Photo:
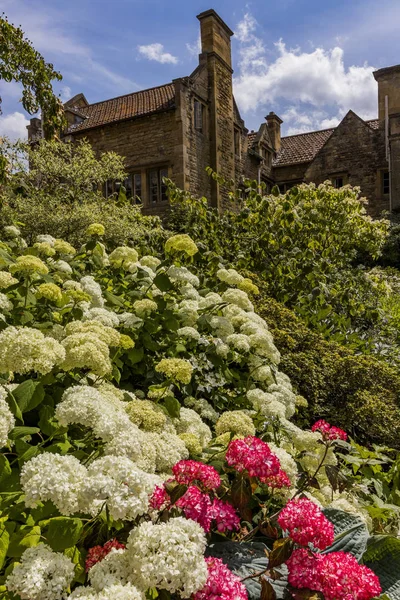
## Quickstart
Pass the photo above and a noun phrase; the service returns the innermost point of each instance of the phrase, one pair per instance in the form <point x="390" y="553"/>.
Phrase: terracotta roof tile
<point x="303" y="147"/>
<point x="129" y="106"/>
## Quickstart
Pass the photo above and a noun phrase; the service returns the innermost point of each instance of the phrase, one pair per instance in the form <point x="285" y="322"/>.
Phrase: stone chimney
<point x="274" y="130"/>
<point x="388" y="85"/>
<point x="216" y="56"/>
<point x="35" y="131"/>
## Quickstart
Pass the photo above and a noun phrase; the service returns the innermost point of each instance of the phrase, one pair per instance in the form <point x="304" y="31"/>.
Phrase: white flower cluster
<point x="114" y="592"/>
<point x="102" y="315"/>
<point x="41" y="575"/>
<point x="23" y="349"/>
<point x="53" y="477"/>
<point x="182" y="275"/>
<point x="7" y="420"/>
<point x="5" y="304"/>
<point x="229" y="276"/>
<point x="91" y="287"/>
<point x="168" y="556"/>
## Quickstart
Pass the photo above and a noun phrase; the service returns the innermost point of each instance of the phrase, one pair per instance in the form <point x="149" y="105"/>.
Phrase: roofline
<point x="386" y="71"/>
<point x="284" y="137"/>
<point x="131" y="94"/>
<point x="132" y="118"/>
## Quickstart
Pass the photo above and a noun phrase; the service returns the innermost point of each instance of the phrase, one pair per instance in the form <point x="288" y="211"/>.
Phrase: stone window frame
<point x="161" y="196"/>
<point x="199" y="102"/>
<point x="343" y="177"/>
<point x="384" y="185"/>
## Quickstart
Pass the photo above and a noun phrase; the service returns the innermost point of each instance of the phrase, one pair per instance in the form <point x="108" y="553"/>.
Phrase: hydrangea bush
<point x="145" y="428"/>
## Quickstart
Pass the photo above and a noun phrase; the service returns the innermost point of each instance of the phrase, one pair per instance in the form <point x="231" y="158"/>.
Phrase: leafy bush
<point x="116" y="369"/>
<point x="304" y="244"/>
<point x="357" y="392"/>
<point x="61" y="194"/>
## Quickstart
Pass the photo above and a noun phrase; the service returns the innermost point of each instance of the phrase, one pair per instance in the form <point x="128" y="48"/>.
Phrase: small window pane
<point x="163" y="187"/>
<point x="128" y="186"/>
<point x="153" y="180"/>
<point x="109" y="188"/>
<point x="137" y="186"/>
<point x="385" y="182"/>
<point x="338" y="182"/>
<point x="198" y="115"/>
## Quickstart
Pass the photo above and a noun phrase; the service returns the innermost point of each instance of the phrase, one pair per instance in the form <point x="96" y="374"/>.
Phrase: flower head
<point x="254" y="456"/>
<point x="221" y="583"/>
<point x="235" y="421"/>
<point x="188" y="472"/>
<point x="97" y="553"/>
<point x="177" y="369"/>
<point x="306" y="523"/>
<point x="29" y="265"/>
<point x="25" y="349"/>
<point x="123" y="257"/>
<point x="95" y="229"/>
<point x="50" y="291"/>
<point x="6" y="280"/>
<point x="63" y="247"/>
<point x="181" y="243"/>
<point x="329" y="432"/>
<point x="143" y="308"/>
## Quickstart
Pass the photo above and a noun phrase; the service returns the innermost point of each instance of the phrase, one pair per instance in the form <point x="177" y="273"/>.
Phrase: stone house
<point x="180" y="128"/>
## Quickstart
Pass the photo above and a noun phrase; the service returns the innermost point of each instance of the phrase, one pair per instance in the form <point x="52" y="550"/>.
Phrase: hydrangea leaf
<point x="351" y="532"/>
<point x="383" y="557"/>
<point x="63" y="532"/>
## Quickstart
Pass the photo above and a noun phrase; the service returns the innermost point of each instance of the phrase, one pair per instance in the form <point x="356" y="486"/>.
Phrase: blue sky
<point x="309" y="61"/>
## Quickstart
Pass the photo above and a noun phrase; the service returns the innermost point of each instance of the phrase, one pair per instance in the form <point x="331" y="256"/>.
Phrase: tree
<point x="20" y="62"/>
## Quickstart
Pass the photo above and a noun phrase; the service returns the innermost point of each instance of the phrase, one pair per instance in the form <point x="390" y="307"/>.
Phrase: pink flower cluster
<point x="187" y="472"/>
<point x="196" y="504"/>
<point x="254" y="456"/>
<point x="97" y="553"/>
<point x="306" y="523"/>
<point x="329" y="432"/>
<point x="221" y="584"/>
<point x="337" y="575"/>
<point x="277" y="481"/>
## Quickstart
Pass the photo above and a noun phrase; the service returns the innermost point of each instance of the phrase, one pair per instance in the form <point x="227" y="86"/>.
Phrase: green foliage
<point x="20" y="62"/>
<point x="61" y="195"/>
<point x="359" y="393"/>
<point x="305" y="246"/>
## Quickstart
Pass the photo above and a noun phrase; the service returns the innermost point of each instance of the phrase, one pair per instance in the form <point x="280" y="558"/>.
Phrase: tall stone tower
<point x="216" y="52"/>
<point x="389" y="111"/>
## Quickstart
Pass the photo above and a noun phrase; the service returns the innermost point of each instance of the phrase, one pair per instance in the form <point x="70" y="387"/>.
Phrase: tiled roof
<point x="303" y="147"/>
<point x="125" y="107"/>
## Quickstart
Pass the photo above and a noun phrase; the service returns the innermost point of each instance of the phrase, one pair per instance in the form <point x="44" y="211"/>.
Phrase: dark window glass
<point x="153" y="186"/>
<point x="198" y="116"/>
<point x="385" y="182"/>
<point x="163" y="187"/>
<point x="137" y="187"/>
<point x="237" y="141"/>
<point x="127" y="183"/>
<point x="109" y="188"/>
<point x="338" y="182"/>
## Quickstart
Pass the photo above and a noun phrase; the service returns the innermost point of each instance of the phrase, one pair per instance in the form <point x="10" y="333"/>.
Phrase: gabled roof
<point x="303" y="147"/>
<point x="133" y="105"/>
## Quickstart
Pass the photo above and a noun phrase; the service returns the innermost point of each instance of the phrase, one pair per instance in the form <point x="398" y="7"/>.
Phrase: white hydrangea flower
<point x="238" y="298"/>
<point x="229" y="276"/>
<point x="24" y="349"/>
<point x="87" y="406"/>
<point x="102" y="315"/>
<point x="212" y="299"/>
<point x="123" y="257"/>
<point x="202" y="407"/>
<point x="168" y="556"/>
<point x="183" y="275"/>
<point x="41" y="575"/>
<point x="60" y="265"/>
<point x="150" y="261"/>
<point x="5" y="303"/>
<point x="126" y="442"/>
<point x="189" y="292"/>
<point x="91" y="287"/>
<point x="118" y="482"/>
<point x="48" y="239"/>
<point x="187" y="312"/>
<point x="189" y="332"/>
<point x="7" y="421"/>
<point x="266" y="403"/>
<point x="136" y="268"/>
<point x="288" y="464"/>
<point x="190" y="422"/>
<point x="86" y="351"/>
<point x="113" y="569"/>
<point x="222" y="326"/>
<point x="221" y="348"/>
<point x="130" y="320"/>
<point x="169" y="448"/>
<point x="239" y="341"/>
<point x="6" y="280"/>
<point x="113" y="592"/>
<point x="11" y="231"/>
<point x="53" y="477"/>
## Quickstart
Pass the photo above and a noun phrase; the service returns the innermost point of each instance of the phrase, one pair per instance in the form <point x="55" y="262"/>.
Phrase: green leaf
<point x="351" y="532"/>
<point x="163" y="282"/>
<point x="28" y="395"/>
<point x="113" y="299"/>
<point x="5" y="470"/>
<point x="63" y="532"/>
<point x="77" y="558"/>
<point x="28" y="454"/>
<point x="18" y="432"/>
<point x="135" y="355"/>
<point x="241" y="496"/>
<point x="4" y="542"/>
<point x="383" y="557"/>
<point x="26" y="537"/>
<point x="173" y="407"/>
<point x="281" y="551"/>
<point x="15" y="409"/>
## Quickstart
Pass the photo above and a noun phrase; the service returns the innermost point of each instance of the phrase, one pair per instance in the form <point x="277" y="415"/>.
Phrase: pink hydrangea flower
<point x="224" y="515"/>
<point x="254" y="456"/>
<point x="337" y="575"/>
<point x="97" y="553"/>
<point x="197" y="506"/>
<point x="221" y="584"/>
<point x="159" y="498"/>
<point x="306" y="523"/>
<point x="187" y="472"/>
<point x="277" y="481"/>
<point x="329" y="432"/>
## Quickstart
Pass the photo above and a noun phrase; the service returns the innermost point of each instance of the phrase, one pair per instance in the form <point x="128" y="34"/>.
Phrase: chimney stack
<point x="274" y="130"/>
<point x="215" y="36"/>
<point x="388" y="85"/>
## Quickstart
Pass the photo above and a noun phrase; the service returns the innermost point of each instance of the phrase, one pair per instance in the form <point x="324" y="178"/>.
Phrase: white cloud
<point x="65" y="93"/>
<point x="194" y="49"/>
<point x="314" y="84"/>
<point x="156" y="52"/>
<point x="14" y="126"/>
